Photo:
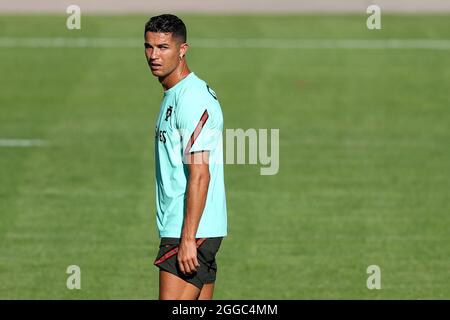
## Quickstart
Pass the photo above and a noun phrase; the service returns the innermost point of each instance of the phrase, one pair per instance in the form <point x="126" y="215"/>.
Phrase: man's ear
<point x="183" y="49"/>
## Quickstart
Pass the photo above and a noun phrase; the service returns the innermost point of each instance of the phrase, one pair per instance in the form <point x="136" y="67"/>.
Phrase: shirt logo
<point x="211" y="92"/>
<point x="168" y="113"/>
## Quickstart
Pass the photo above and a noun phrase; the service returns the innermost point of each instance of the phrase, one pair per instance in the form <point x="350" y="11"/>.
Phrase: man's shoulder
<point x="197" y="89"/>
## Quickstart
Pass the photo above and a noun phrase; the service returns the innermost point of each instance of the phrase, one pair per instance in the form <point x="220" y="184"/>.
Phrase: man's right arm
<point x="197" y="190"/>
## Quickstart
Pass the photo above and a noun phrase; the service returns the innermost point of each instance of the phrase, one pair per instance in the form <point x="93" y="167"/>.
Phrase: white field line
<point x="22" y="143"/>
<point x="442" y="44"/>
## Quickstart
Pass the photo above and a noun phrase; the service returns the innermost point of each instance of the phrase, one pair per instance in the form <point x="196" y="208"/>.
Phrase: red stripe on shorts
<point x="174" y="251"/>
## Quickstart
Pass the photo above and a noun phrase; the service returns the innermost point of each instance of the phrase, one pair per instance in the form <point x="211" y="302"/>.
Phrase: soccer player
<point x="190" y="190"/>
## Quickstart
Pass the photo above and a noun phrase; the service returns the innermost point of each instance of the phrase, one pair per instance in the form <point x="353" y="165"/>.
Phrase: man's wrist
<point x="187" y="238"/>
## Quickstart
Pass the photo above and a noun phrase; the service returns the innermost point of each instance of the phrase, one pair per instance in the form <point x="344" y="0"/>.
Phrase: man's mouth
<point x="155" y="66"/>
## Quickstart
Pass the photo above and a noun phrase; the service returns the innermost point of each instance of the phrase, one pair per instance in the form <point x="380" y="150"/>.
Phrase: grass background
<point x="364" y="160"/>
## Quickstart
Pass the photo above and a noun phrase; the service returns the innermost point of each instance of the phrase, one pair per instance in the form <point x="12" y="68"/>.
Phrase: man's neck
<point x="176" y="76"/>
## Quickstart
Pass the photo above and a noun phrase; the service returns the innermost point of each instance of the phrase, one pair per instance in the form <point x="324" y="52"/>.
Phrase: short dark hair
<point x="167" y="23"/>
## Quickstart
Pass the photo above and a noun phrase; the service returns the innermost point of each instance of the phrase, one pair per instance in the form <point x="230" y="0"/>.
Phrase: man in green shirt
<point x="190" y="189"/>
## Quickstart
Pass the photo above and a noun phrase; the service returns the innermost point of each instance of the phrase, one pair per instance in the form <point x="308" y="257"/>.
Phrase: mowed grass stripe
<point x="431" y="44"/>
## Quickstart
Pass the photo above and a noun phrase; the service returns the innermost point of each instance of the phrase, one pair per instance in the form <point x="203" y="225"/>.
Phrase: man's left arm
<point x="197" y="190"/>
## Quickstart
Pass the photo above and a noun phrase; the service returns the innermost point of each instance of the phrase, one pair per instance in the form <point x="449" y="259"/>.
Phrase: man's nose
<point x="154" y="54"/>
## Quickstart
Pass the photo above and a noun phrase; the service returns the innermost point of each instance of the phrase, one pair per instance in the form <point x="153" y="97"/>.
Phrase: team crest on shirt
<point x="168" y="113"/>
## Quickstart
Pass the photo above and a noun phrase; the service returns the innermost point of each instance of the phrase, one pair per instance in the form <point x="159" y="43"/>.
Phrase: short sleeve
<point x="199" y="121"/>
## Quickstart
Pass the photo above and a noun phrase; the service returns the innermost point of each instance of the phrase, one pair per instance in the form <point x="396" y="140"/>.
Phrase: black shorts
<point x="207" y="249"/>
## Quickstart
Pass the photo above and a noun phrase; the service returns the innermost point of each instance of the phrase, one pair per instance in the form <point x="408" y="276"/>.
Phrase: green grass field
<point x="364" y="173"/>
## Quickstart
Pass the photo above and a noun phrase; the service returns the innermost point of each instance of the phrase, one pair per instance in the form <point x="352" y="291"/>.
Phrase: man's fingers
<point x="187" y="258"/>
<point x="184" y="267"/>
<point x="192" y="267"/>
<point x="188" y="266"/>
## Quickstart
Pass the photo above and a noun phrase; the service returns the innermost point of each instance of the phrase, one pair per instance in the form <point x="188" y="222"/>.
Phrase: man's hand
<point x="187" y="256"/>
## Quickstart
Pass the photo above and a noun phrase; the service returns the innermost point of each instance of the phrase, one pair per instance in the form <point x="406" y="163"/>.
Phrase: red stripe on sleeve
<point x="197" y="131"/>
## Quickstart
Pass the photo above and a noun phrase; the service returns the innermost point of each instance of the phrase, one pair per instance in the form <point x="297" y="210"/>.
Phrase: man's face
<point x="163" y="52"/>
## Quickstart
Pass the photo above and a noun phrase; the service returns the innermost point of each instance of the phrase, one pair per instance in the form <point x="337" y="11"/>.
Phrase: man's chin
<point x="157" y="73"/>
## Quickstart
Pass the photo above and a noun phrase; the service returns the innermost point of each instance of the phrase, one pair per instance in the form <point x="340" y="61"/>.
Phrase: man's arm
<point x="197" y="190"/>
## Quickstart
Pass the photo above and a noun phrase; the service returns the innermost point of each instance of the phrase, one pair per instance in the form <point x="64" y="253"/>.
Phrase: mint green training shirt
<point x="190" y="120"/>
